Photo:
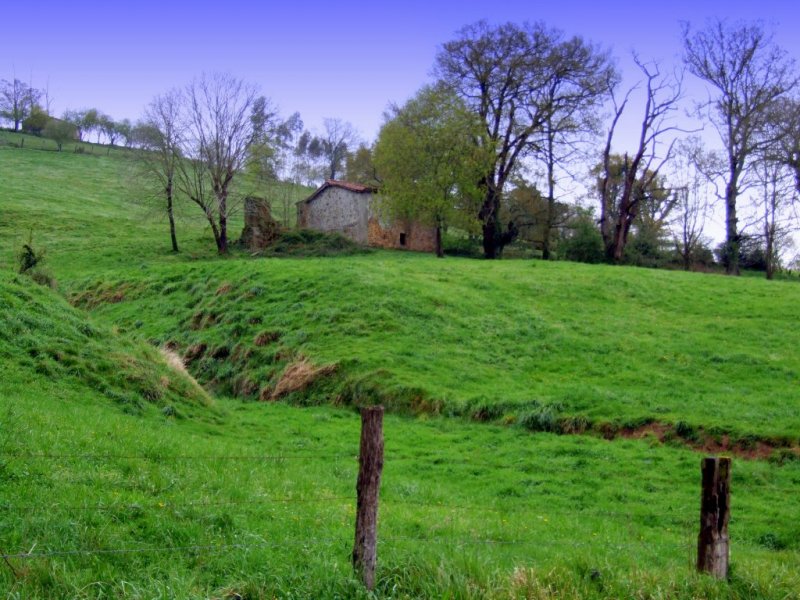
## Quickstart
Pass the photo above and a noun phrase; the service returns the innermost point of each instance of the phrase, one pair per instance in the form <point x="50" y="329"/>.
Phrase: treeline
<point x="495" y="150"/>
<point x="530" y="114"/>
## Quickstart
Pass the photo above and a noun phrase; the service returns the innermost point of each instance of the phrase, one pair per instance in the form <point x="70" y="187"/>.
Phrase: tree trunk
<point x="439" y="248"/>
<point x="171" y="216"/>
<point x="731" y="255"/>
<point x="488" y="217"/>
<point x="222" y="244"/>
<point x="551" y="201"/>
<point x="770" y="252"/>
<point x="214" y="228"/>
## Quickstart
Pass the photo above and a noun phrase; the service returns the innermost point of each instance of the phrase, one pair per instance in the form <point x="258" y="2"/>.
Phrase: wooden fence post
<point x="370" y="461"/>
<point x="713" y="548"/>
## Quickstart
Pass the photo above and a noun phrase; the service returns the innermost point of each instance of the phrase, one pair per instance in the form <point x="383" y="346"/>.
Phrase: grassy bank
<point x="606" y="346"/>
<point x="121" y="478"/>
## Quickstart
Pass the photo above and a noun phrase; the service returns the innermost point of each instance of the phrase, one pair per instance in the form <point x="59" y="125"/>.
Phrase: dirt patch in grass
<point x="194" y="352"/>
<point x="266" y="337"/>
<point x="298" y="376"/>
<point x="702" y="441"/>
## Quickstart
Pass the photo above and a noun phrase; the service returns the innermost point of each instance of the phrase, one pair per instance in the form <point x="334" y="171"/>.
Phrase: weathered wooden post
<point x="370" y="461"/>
<point x="713" y="548"/>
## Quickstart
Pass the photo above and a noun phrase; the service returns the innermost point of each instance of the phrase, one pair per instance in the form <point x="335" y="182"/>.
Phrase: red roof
<point x="346" y="185"/>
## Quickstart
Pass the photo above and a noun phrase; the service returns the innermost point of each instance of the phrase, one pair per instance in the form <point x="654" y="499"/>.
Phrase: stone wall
<point x="260" y="229"/>
<point x="402" y="235"/>
<point x="355" y="216"/>
<point x="337" y="209"/>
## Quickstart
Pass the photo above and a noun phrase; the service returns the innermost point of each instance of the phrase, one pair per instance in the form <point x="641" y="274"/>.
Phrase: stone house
<point x="351" y="209"/>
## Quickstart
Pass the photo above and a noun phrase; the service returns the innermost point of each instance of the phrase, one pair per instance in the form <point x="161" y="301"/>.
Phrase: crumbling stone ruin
<point x="260" y="229"/>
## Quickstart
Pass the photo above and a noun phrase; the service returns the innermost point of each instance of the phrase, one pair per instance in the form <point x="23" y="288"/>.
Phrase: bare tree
<point x="777" y="189"/>
<point x="640" y="170"/>
<point x="692" y="205"/>
<point x="748" y="72"/>
<point x="219" y="133"/>
<point x="784" y="125"/>
<point x="161" y="139"/>
<point x="578" y="81"/>
<point x="335" y="144"/>
<point x="48" y="98"/>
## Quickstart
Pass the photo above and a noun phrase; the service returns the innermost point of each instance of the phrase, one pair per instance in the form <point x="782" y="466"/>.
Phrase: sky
<point x="347" y="60"/>
<point x="324" y="59"/>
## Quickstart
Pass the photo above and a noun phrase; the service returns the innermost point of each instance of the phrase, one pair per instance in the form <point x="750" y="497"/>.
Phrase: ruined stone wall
<point x="337" y="209"/>
<point x="420" y="238"/>
<point x="260" y="229"/>
<point x="355" y="215"/>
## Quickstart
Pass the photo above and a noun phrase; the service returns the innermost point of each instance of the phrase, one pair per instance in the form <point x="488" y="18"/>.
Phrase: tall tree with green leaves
<point x="506" y="74"/>
<point x="17" y="100"/>
<point x="431" y="155"/>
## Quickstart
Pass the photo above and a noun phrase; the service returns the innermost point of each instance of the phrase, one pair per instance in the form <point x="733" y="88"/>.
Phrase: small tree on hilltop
<point x="60" y="132"/>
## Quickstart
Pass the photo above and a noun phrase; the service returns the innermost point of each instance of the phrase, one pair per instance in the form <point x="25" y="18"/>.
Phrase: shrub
<point x="29" y="257"/>
<point x="584" y="243"/>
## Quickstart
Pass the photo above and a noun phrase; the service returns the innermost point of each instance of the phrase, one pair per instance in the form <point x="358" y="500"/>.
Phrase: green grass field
<point x="120" y="478"/>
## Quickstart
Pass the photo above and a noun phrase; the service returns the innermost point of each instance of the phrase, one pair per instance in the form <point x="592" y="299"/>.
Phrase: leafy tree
<point x="505" y="75"/>
<point x="307" y="152"/>
<point x="60" y="132"/>
<point x="36" y="121"/>
<point x="582" y="240"/>
<point x="123" y="130"/>
<point x="749" y="72"/>
<point x="108" y="127"/>
<point x="527" y="208"/>
<point x="430" y="159"/>
<point x="17" y="100"/>
<point x="360" y="167"/>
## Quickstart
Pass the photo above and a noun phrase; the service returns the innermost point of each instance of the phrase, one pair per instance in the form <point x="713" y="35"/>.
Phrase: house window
<point x="402" y="239"/>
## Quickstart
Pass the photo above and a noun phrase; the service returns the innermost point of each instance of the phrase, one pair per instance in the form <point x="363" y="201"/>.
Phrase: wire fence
<point x="626" y="533"/>
<point x="388" y="502"/>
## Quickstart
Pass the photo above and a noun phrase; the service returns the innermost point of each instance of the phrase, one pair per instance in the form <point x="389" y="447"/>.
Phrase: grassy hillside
<point x="92" y="211"/>
<point x="44" y="341"/>
<point x="101" y="501"/>
<point x="119" y="478"/>
<point x="561" y="345"/>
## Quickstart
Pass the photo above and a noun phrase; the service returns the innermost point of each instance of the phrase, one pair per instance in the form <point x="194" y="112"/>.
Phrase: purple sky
<point x="323" y="59"/>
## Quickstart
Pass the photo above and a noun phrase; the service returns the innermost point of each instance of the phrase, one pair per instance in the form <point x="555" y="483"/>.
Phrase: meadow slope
<point x="120" y="478"/>
<point x="104" y="497"/>
<point x="547" y="342"/>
